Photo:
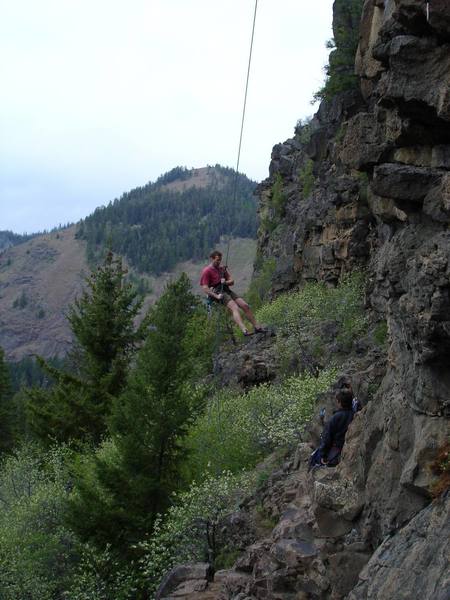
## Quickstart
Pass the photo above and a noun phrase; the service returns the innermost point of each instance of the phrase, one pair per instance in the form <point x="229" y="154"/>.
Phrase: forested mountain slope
<point x="177" y="218"/>
<point x="8" y="239"/>
<point x="161" y="229"/>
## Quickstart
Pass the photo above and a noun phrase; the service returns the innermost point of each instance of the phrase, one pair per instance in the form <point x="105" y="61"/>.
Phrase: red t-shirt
<point x="211" y="276"/>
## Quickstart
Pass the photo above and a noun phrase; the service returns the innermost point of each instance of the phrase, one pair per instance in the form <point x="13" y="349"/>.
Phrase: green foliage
<point x="303" y="130"/>
<point x="155" y="227"/>
<point x="278" y="199"/>
<point x="189" y="531"/>
<point x="37" y="552"/>
<point x="380" y="333"/>
<point x="264" y="521"/>
<point x="121" y="488"/>
<point x="102" y="321"/>
<point x="27" y="372"/>
<point x="340" y="133"/>
<point x="268" y="224"/>
<point x="141" y="285"/>
<point x="6" y="406"/>
<point x="261" y="283"/>
<point x="340" y="71"/>
<point x="318" y="303"/>
<point x="204" y="334"/>
<point x="99" y="575"/>
<point x="8" y="238"/>
<point x="306" y="177"/>
<point x="301" y="318"/>
<point x="226" y="558"/>
<point x="21" y="302"/>
<point x="175" y="174"/>
<point x="237" y="430"/>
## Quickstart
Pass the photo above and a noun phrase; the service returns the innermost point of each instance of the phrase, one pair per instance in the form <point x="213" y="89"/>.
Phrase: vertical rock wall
<point x="380" y="200"/>
<point x="366" y="185"/>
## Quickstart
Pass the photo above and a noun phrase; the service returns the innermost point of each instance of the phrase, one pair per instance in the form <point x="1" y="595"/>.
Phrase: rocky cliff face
<point x="369" y="189"/>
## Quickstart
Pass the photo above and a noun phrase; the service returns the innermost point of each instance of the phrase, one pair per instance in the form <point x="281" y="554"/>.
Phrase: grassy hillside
<point x="40" y="278"/>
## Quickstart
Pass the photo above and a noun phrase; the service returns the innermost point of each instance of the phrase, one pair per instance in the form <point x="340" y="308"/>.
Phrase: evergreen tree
<point x="6" y="411"/>
<point x="102" y="321"/>
<point x="156" y="227"/>
<point x="120" y="490"/>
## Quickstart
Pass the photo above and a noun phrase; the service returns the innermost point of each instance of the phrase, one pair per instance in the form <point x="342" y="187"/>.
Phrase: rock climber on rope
<point x="216" y="281"/>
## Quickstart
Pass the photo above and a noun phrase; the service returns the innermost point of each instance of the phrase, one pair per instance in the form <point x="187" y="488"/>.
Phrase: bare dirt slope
<point x="41" y="278"/>
<point x="199" y="178"/>
<point x="38" y="281"/>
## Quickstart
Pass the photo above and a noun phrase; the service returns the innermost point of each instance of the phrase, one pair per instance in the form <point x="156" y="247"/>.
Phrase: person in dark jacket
<point x="333" y="434"/>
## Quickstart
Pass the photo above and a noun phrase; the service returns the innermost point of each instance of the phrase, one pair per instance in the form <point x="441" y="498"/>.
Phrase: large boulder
<point x="184" y="580"/>
<point x="414" y="562"/>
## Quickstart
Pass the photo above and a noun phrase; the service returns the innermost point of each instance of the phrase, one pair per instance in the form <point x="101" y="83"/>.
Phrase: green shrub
<point x="278" y="199"/>
<point x="260" y="286"/>
<point x="267" y="224"/>
<point x="317" y="303"/>
<point x="340" y="133"/>
<point x="263" y="520"/>
<point x="189" y="531"/>
<point x="380" y="333"/>
<point x="21" y="302"/>
<point x="340" y="71"/>
<point x="302" y="316"/>
<point x="238" y="430"/>
<point x="37" y="551"/>
<point x="303" y="130"/>
<point x="226" y="558"/>
<point x="100" y="576"/>
<point x="306" y="177"/>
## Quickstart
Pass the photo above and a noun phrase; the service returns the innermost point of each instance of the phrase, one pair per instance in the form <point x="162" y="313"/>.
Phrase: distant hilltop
<point x="161" y="229"/>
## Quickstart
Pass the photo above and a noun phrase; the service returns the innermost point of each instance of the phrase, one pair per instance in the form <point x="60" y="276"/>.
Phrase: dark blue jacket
<point x="334" y="432"/>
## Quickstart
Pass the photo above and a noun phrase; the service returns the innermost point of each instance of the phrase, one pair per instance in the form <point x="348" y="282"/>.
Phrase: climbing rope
<point x="217" y="333"/>
<point x="242" y="121"/>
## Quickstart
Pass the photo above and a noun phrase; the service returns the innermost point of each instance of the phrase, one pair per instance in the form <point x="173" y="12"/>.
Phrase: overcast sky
<point x="100" y="96"/>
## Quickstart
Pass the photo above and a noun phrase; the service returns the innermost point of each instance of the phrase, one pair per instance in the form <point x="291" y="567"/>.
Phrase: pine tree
<point x="124" y="487"/>
<point x="6" y="410"/>
<point x="102" y="321"/>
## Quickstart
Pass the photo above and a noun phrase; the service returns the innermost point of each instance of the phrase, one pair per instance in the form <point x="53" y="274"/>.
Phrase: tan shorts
<point x="227" y="296"/>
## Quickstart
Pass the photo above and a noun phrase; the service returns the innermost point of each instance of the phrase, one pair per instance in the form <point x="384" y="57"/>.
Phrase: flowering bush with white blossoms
<point x="238" y="430"/>
<point x="188" y="531"/>
<point x="37" y="551"/>
<point x="317" y="303"/>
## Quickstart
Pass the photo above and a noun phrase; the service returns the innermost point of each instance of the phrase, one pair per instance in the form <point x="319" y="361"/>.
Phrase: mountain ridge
<point x="40" y="277"/>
